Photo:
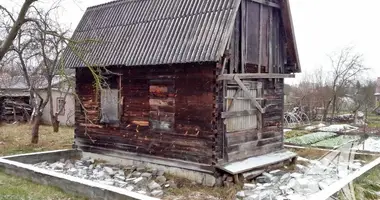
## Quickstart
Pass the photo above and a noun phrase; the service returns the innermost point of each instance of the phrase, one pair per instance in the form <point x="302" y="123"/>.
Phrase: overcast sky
<point x="321" y="27"/>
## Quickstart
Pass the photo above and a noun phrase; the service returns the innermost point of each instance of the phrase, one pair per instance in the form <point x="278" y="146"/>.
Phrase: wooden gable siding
<point x="245" y="40"/>
<point x="167" y="112"/>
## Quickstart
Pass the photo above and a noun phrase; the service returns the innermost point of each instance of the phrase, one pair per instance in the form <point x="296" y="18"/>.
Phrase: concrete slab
<point x="257" y="162"/>
<point x="69" y="184"/>
<point x="48" y="156"/>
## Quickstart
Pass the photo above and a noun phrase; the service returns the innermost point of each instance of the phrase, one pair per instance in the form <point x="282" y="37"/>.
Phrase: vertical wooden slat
<point x="243" y="35"/>
<point x="270" y="38"/>
<point x="260" y="36"/>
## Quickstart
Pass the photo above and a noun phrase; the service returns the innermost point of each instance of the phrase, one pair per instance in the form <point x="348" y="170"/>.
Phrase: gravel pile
<point x="307" y="180"/>
<point x="139" y="179"/>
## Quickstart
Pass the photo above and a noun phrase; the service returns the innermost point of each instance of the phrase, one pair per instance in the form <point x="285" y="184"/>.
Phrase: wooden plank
<point x="238" y="137"/>
<point x="253" y="100"/>
<point x="267" y="3"/>
<point x="270" y="41"/>
<point x="242" y="113"/>
<point x="335" y="187"/>
<point x="256" y="162"/>
<point x="254" y="76"/>
<point x="243" y="33"/>
<point x="260" y="37"/>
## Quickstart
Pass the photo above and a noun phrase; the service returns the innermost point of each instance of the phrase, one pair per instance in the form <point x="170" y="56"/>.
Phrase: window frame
<point x="58" y="100"/>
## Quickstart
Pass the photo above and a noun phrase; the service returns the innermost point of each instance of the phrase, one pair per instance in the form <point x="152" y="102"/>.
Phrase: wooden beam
<point x="260" y="36"/>
<point x="267" y="3"/>
<point x="243" y="33"/>
<point x="238" y="113"/>
<point x="245" y="89"/>
<point x="253" y="76"/>
<point x="335" y="187"/>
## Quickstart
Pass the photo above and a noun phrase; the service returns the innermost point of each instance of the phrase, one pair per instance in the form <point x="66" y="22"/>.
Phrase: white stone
<point x="280" y="198"/>
<point x="161" y="180"/>
<point x="267" y="184"/>
<point x="72" y="170"/>
<point x="275" y="171"/>
<point x="295" y="197"/>
<point x="240" y="194"/>
<point x="141" y="192"/>
<point x="285" y="176"/>
<point x="249" y="186"/>
<point x="296" y="175"/>
<point x="120" y="183"/>
<point x="109" y="171"/>
<point x="130" y="179"/>
<point x="322" y="185"/>
<point x="138" y="180"/>
<point x="146" y="175"/>
<point x="119" y="177"/>
<point x="57" y="165"/>
<point x="292" y="183"/>
<point x="157" y="193"/>
<point x="153" y="186"/>
<point x="129" y="188"/>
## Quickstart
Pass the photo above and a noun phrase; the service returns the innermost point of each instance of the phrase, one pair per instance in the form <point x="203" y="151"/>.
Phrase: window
<point x="109" y="97"/>
<point x="162" y="105"/>
<point x="60" y="109"/>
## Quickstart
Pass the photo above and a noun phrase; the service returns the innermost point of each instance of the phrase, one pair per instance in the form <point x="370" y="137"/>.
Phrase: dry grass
<point x="309" y="153"/>
<point x="295" y="133"/>
<point x="15" y="139"/>
<point x="187" y="190"/>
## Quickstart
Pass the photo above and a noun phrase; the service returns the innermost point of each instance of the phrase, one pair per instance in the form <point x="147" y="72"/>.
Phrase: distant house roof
<point x="154" y="32"/>
<point x="378" y="87"/>
<point x="19" y="82"/>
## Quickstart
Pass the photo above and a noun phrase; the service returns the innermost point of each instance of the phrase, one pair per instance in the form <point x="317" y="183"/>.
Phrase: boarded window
<point x="242" y="113"/>
<point x="109" y="97"/>
<point x="60" y="106"/>
<point x="110" y="106"/>
<point x="162" y="105"/>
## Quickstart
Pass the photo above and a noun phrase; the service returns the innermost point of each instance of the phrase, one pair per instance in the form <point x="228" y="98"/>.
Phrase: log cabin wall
<point x="167" y="111"/>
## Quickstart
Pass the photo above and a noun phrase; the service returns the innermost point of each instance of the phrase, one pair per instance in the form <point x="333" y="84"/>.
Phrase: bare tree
<point x="346" y="66"/>
<point x="17" y="23"/>
<point x="38" y="46"/>
<point x="51" y="39"/>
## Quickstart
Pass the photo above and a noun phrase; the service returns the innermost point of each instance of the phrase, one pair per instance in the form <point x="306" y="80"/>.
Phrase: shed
<point x="197" y="84"/>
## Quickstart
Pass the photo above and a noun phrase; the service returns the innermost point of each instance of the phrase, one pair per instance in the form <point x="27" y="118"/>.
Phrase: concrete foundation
<point x="15" y="165"/>
<point x="200" y="177"/>
<point x="21" y="165"/>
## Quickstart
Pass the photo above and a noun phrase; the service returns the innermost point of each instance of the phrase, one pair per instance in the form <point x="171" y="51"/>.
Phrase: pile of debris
<point x="15" y="111"/>
<point x="307" y="180"/>
<point x="139" y="179"/>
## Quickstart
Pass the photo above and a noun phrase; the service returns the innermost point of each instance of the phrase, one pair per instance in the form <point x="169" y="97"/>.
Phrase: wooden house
<point x="196" y="84"/>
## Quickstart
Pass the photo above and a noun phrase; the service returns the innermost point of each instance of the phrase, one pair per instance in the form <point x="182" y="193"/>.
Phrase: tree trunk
<point x="326" y="111"/>
<point x="333" y="107"/>
<point x="35" y="128"/>
<point x="55" y="124"/>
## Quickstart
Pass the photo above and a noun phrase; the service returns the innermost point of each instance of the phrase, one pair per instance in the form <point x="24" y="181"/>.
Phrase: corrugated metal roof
<point x="151" y="32"/>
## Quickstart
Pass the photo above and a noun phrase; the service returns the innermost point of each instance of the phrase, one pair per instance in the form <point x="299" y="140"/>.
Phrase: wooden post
<point x="260" y="36"/>
<point x="243" y="36"/>
<point x="270" y="38"/>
